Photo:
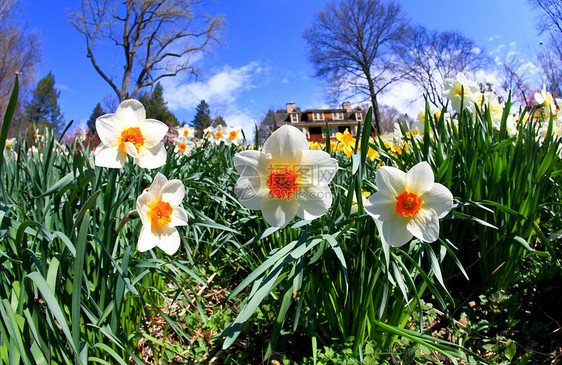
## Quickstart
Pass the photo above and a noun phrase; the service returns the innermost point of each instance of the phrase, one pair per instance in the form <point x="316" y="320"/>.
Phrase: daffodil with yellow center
<point x="128" y="132"/>
<point x="409" y="204"/>
<point x="460" y="90"/>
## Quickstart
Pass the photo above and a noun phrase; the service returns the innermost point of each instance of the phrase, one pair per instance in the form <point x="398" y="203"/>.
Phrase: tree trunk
<point x="376" y="112"/>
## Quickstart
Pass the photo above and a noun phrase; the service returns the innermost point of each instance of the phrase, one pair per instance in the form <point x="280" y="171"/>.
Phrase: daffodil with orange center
<point x="128" y="132"/>
<point x="186" y="132"/>
<point x="233" y="135"/>
<point x="160" y="210"/>
<point x="183" y="146"/>
<point x="409" y="204"/>
<point x="285" y="179"/>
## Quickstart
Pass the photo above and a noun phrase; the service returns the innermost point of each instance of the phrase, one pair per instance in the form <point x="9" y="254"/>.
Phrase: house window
<point x="294" y="118"/>
<point x="333" y="132"/>
<point x="338" y="115"/>
<point x="305" y="132"/>
<point x="315" y="131"/>
<point x="317" y="116"/>
<point x="358" y="116"/>
<point x="353" y="131"/>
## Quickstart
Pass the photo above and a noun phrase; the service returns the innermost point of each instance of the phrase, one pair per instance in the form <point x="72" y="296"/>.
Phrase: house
<point x="312" y="122"/>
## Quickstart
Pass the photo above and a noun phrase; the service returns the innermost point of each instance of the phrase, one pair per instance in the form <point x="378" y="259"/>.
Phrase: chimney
<point x="290" y="107"/>
<point x="346" y="105"/>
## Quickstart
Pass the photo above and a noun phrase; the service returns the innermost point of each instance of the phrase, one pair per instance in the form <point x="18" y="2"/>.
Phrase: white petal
<point x="111" y="157"/>
<point x="153" y="132"/>
<point x="425" y="225"/>
<point x="169" y="241"/>
<point x="439" y="198"/>
<point x="314" y="202"/>
<point x="420" y="178"/>
<point x="131" y="112"/>
<point x="147" y="239"/>
<point x="131" y="149"/>
<point x="395" y="232"/>
<point x="382" y="206"/>
<point x="278" y="212"/>
<point x="151" y="158"/>
<point x="391" y="179"/>
<point x="157" y="185"/>
<point x="250" y="192"/>
<point x="179" y="217"/>
<point x="173" y="192"/>
<point x="316" y="168"/>
<point x="284" y="143"/>
<point x="143" y="201"/>
<point x="251" y="163"/>
<point x="109" y="128"/>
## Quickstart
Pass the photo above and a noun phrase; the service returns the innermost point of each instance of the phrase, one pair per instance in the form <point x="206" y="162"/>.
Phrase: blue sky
<point x="262" y="63"/>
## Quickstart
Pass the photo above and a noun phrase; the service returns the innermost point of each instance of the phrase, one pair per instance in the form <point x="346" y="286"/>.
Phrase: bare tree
<point x="515" y="79"/>
<point x="20" y="52"/>
<point x="429" y="57"/>
<point x="549" y="55"/>
<point x="351" y="44"/>
<point x="551" y="14"/>
<point x="156" y="38"/>
<point x="391" y="115"/>
<point x="549" y="59"/>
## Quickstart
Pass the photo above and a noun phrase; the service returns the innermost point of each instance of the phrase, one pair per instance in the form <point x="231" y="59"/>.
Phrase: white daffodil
<point x="183" y="146"/>
<point x="160" y="212"/>
<point x="217" y="135"/>
<point x="491" y="102"/>
<point x="186" y="132"/>
<point x="409" y="204"/>
<point x="208" y="132"/>
<point x="10" y="144"/>
<point x="460" y="89"/>
<point x="128" y="132"/>
<point x="285" y="178"/>
<point x="233" y="135"/>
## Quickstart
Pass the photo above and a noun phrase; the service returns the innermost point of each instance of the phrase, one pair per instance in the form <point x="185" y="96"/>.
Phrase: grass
<point x="74" y="289"/>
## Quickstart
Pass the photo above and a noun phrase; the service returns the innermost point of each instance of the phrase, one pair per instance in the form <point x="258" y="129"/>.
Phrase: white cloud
<point x="223" y="88"/>
<point x="405" y="97"/>
<point x="223" y="91"/>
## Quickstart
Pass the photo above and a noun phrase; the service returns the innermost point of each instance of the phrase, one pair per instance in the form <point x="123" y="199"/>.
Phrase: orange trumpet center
<point x="160" y="213"/>
<point x="233" y="135"/>
<point x="408" y="204"/>
<point x="218" y="135"/>
<point x="186" y="133"/>
<point x="182" y="147"/>
<point x="133" y="135"/>
<point x="283" y="183"/>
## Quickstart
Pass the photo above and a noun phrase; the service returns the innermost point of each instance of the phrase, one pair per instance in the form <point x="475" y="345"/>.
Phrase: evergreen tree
<point x="43" y="109"/>
<point x="219" y="121"/>
<point x="202" y="119"/>
<point x="91" y="124"/>
<point x="156" y="107"/>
